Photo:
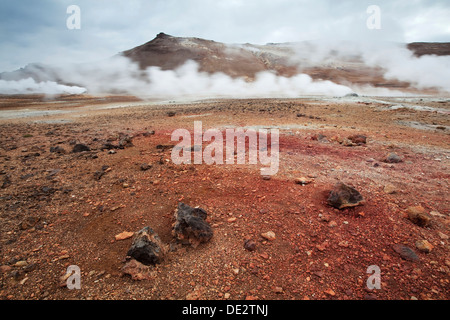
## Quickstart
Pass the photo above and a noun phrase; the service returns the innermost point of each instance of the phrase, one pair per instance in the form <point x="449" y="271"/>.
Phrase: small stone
<point x="250" y="245"/>
<point x="80" y="148"/>
<point x="269" y="235"/>
<point x="147" y="247"/>
<point x="145" y="166"/>
<point x="322" y="246"/>
<point x="190" y="226"/>
<point x="392" y="158"/>
<point x="358" y="139"/>
<point x="278" y="290"/>
<point x="389" y="189"/>
<point x="347" y="142"/>
<point x="343" y="196"/>
<point x="21" y="263"/>
<point x="264" y="255"/>
<point x="28" y="223"/>
<point x="226" y="295"/>
<point x="332" y="224"/>
<point x="302" y="180"/>
<point x="5" y="268"/>
<point x="232" y="219"/>
<point x="57" y="149"/>
<point x="424" y="246"/>
<point x="437" y="214"/>
<point x="330" y="292"/>
<point x="124" y="235"/>
<point x="405" y="252"/>
<point x="418" y="216"/>
<point x="443" y="236"/>
<point x="343" y="243"/>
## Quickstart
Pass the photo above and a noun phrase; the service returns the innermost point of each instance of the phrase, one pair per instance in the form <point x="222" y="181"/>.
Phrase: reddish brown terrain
<point x="60" y="208"/>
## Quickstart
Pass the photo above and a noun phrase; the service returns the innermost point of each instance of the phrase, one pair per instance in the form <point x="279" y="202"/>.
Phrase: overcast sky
<point x="36" y="31"/>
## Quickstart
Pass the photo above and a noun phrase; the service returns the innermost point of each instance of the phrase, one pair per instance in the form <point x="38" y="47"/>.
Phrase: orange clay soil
<point x="56" y="211"/>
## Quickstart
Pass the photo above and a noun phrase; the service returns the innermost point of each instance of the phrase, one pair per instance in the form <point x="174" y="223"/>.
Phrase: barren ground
<point x="55" y="213"/>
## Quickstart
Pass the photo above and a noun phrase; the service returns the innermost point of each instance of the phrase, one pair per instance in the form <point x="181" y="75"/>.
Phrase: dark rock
<point x="6" y="182"/>
<point x="148" y="133"/>
<point x="147" y="247"/>
<point x="145" y="166"/>
<point x="57" y="149"/>
<point x="79" y="147"/>
<point x="98" y="174"/>
<point x="109" y="146"/>
<point x="190" y="225"/>
<point x="343" y="196"/>
<point x="250" y="245"/>
<point x="164" y="147"/>
<point x="125" y="141"/>
<point x="171" y="114"/>
<point x="405" y="252"/>
<point x="392" y="158"/>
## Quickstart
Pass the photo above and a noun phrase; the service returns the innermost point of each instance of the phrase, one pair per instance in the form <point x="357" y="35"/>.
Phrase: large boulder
<point x="190" y="226"/>
<point x="343" y="196"/>
<point x="147" y="247"/>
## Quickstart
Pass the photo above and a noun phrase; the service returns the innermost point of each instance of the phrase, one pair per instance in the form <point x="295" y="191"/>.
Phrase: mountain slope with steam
<point x="176" y="66"/>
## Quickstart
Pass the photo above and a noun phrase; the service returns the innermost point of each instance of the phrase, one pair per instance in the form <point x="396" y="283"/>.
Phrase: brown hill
<point x="168" y="53"/>
<point x="246" y="60"/>
<point x="429" y="48"/>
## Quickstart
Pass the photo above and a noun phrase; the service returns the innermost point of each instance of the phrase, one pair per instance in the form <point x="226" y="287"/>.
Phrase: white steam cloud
<point x="121" y="75"/>
<point x="395" y="61"/>
<point x="30" y="86"/>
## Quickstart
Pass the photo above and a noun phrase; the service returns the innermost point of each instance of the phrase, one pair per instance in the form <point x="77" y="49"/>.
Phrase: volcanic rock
<point x="419" y="216"/>
<point x="405" y="252"/>
<point x="147" y="247"/>
<point x="57" y="149"/>
<point x="343" y="196"/>
<point x="424" y="246"/>
<point x="145" y="166"/>
<point x="190" y="225"/>
<point x="358" y="139"/>
<point x="392" y="158"/>
<point x="79" y="147"/>
<point x="125" y="141"/>
<point x="250" y="245"/>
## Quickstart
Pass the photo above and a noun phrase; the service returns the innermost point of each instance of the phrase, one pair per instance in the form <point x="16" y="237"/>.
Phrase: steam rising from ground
<point x="121" y="75"/>
<point x="30" y="86"/>
<point x="396" y="61"/>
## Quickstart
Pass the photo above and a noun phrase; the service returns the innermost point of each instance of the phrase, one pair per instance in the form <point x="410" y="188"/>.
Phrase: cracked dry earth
<point x="61" y="208"/>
